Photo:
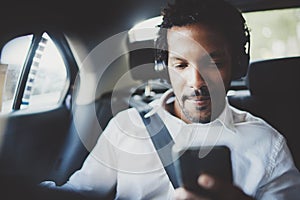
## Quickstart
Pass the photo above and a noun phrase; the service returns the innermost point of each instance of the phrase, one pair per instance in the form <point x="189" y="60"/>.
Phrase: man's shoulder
<point x="255" y="132"/>
<point x="125" y="114"/>
<point x="245" y="117"/>
<point x="128" y="119"/>
<point x="254" y="126"/>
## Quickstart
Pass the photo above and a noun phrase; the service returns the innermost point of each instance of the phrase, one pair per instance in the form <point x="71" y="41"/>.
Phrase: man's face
<point x="199" y="65"/>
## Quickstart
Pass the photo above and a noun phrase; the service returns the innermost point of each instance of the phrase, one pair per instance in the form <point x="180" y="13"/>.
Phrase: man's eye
<point x="215" y="63"/>
<point x="211" y="62"/>
<point x="180" y="66"/>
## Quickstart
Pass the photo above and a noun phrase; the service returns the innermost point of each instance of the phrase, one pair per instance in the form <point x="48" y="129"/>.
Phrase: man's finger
<point x="183" y="194"/>
<point x="221" y="189"/>
<point x="206" y="181"/>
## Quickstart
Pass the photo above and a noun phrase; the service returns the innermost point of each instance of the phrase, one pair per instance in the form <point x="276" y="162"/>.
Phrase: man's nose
<point x="195" y="80"/>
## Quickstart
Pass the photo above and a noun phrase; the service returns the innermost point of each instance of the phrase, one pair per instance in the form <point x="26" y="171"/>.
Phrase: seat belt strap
<point x="162" y="142"/>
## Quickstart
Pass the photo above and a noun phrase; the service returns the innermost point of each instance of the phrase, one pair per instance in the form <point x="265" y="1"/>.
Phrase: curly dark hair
<point x="218" y="14"/>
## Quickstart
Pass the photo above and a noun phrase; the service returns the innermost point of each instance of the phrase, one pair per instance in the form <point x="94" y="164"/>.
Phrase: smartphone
<point x="192" y="162"/>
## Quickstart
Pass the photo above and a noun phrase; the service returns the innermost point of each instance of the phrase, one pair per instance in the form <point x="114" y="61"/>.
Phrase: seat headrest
<point x="141" y="60"/>
<point x="276" y="76"/>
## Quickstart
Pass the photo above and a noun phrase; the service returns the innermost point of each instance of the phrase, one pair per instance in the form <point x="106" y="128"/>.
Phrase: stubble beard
<point x="199" y="119"/>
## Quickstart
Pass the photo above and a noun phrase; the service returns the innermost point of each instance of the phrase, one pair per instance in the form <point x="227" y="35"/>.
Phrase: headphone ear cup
<point x="241" y="67"/>
<point x="161" y="68"/>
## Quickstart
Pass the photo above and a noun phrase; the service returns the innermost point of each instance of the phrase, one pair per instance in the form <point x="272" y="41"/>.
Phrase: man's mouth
<point x="200" y="97"/>
<point x="200" y="101"/>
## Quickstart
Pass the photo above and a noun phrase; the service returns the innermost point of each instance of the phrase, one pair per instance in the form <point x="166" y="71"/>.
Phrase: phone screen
<point x="216" y="162"/>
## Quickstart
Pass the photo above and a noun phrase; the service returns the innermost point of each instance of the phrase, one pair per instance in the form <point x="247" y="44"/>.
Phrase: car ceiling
<point x="95" y="19"/>
<point x="256" y="5"/>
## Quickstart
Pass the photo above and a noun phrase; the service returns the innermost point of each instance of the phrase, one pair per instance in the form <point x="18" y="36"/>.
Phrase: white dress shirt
<point x="125" y="157"/>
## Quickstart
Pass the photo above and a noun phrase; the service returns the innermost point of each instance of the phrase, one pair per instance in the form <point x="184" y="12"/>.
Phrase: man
<point x="202" y="45"/>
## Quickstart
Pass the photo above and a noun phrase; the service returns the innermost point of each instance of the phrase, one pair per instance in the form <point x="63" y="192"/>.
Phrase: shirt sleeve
<point x="283" y="180"/>
<point x="98" y="175"/>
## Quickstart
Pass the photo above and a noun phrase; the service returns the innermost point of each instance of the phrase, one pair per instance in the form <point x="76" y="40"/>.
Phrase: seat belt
<point x="162" y="141"/>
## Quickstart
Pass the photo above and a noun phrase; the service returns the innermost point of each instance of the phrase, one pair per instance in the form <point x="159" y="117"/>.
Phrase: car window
<point x="13" y="57"/>
<point x="274" y="33"/>
<point x="47" y="78"/>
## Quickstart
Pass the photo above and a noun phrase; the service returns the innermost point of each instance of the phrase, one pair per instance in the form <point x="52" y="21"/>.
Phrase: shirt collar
<point x="225" y="118"/>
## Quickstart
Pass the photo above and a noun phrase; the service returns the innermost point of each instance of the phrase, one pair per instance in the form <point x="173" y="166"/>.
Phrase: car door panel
<point x="31" y="142"/>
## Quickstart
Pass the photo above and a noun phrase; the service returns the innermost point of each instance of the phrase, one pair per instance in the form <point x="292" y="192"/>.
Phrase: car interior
<point x="105" y="63"/>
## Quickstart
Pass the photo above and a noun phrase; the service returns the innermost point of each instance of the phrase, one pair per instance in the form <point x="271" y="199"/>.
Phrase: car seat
<point x="274" y="87"/>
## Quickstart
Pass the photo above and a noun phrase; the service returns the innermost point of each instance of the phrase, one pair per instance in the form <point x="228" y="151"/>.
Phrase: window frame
<point x="71" y="67"/>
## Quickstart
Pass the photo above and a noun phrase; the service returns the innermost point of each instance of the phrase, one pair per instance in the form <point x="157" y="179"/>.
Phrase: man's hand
<point x="220" y="190"/>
